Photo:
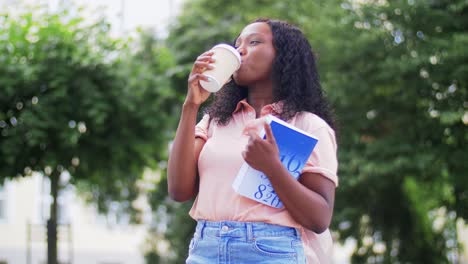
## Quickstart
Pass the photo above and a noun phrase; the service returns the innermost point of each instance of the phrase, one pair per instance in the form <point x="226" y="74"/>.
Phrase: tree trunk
<point x="52" y="222"/>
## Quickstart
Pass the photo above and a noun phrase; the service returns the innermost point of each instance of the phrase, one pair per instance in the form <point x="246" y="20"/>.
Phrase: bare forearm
<point x="182" y="167"/>
<point x="307" y="207"/>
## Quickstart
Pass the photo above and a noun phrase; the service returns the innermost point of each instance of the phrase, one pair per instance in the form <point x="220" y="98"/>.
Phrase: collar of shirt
<point x="274" y="108"/>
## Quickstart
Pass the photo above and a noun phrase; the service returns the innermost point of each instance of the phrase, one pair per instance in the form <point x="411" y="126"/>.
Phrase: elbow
<point x="177" y="191"/>
<point x="319" y="229"/>
<point x="319" y="222"/>
<point x="317" y="226"/>
<point x="179" y="196"/>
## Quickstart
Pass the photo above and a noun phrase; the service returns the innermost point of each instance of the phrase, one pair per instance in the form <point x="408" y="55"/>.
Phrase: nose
<point x="241" y="50"/>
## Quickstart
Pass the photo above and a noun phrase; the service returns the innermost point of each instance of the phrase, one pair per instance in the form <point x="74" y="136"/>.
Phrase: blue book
<point x="295" y="147"/>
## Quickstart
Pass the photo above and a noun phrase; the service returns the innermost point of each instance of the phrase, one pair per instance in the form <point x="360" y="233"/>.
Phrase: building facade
<point x="85" y="236"/>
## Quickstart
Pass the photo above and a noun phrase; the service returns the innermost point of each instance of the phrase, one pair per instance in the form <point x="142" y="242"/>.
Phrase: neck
<point x="259" y="96"/>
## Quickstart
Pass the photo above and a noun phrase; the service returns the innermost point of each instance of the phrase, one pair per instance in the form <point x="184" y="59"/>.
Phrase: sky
<point x="127" y="15"/>
<point x="124" y="15"/>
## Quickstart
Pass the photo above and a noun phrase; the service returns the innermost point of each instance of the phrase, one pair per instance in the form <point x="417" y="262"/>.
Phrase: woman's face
<point x="255" y="44"/>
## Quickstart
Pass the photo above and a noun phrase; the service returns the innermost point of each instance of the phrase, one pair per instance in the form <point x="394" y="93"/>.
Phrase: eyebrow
<point x="247" y="36"/>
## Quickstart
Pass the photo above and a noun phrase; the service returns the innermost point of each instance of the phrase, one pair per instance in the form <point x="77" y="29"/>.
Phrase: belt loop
<point x="298" y="233"/>
<point x="250" y="235"/>
<point x="202" y="227"/>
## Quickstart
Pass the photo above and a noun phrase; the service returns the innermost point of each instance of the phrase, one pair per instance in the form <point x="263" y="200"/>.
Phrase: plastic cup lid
<point x="231" y="49"/>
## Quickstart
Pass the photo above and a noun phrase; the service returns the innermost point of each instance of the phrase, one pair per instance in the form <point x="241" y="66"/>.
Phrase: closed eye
<point x="254" y="42"/>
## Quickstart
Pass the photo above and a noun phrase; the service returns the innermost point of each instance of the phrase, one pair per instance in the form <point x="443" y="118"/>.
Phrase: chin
<point x="240" y="83"/>
<point x="239" y="80"/>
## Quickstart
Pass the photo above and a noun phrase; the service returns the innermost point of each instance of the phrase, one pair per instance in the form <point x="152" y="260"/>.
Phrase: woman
<point x="277" y="76"/>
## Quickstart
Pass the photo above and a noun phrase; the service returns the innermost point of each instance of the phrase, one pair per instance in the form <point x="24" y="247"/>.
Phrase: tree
<point x="201" y="25"/>
<point x="399" y="85"/>
<point x="395" y="72"/>
<point x="74" y="99"/>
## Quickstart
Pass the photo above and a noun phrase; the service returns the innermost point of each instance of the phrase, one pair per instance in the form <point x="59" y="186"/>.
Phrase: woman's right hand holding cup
<point x="196" y="95"/>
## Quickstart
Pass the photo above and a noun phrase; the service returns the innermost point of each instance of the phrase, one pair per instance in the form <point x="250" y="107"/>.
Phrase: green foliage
<point x="72" y="98"/>
<point x="396" y="73"/>
<point x="401" y="97"/>
<point x="172" y="224"/>
<point x="75" y="99"/>
<point x="201" y="25"/>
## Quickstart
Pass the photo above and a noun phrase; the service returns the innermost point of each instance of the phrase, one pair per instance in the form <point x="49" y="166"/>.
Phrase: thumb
<point x="269" y="134"/>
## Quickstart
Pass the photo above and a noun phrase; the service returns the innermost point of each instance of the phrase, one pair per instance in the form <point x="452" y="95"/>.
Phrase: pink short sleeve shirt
<point x="221" y="159"/>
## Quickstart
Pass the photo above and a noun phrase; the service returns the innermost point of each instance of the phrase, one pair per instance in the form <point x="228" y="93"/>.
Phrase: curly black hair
<point x="294" y="74"/>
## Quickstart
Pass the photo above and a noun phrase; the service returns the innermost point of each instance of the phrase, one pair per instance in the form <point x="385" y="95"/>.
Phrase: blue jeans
<point x="245" y="242"/>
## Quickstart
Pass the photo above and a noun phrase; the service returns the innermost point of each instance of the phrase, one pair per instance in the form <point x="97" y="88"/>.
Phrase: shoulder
<point x="311" y="122"/>
<point x="203" y="127"/>
<point x="204" y="121"/>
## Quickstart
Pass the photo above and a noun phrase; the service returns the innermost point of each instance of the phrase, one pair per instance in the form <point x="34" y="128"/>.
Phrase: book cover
<point x="295" y="147"/>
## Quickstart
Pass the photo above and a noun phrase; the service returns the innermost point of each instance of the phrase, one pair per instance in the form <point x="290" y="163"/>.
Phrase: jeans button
<point x="224" y="228"/>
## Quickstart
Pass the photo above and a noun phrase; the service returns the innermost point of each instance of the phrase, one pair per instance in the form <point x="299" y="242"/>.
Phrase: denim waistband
<point x="247" y="230"/>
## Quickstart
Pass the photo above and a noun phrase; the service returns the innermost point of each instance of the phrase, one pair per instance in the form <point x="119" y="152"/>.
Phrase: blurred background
<point x="90" y="94"/>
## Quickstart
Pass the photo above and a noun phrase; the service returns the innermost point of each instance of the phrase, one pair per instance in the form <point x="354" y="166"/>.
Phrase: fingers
<point x="269" y="133"/>
<point x="203" y="62"/>
<point x="197" y="77"/>
<point x="252" y="136"/>
<point x="201" y="66"/>
<point x="206" y="54"/>
<point x="254" y="125"/>
<point x="258" y="150"/>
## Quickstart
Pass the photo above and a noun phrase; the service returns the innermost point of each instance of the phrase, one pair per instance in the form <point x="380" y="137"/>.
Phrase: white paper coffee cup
<point x="227" y="61"/>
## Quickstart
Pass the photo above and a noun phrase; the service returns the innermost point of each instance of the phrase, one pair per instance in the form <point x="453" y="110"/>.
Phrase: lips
<point x="241" y="71"/>
<point x="243" y="63"/>
<point x="241" y="68"/>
